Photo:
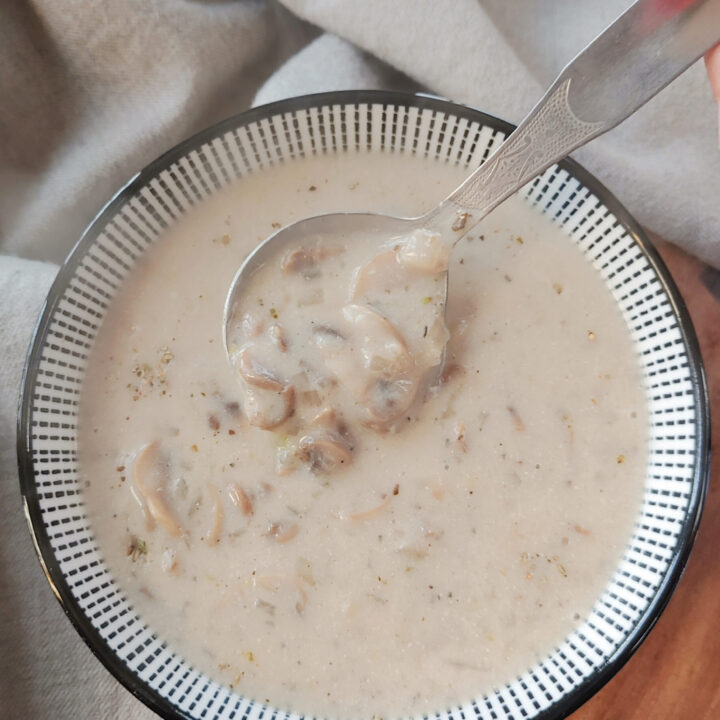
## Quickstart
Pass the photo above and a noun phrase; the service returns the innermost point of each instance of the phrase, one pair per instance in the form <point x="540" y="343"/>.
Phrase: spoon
<point x="634" y="58"/>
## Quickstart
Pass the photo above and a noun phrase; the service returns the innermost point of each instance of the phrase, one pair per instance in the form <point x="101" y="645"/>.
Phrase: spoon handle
<point x="634" y="58"/>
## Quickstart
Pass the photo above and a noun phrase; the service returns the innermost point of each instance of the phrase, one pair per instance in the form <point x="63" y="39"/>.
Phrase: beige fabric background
<point x="91" y="90"/>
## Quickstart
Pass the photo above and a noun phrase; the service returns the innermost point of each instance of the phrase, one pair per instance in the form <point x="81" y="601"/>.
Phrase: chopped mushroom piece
<point x="212" y="537"/>
<point x="169" y="561"/>
<point x="323" y="453"/>
<point x="254" y="373"/>
<point x="304" y="261"/>
<point x="425" y="251"/>
<point x="268" y="402"/>
<point x="277" y="337"/>
<point x="241" y="499"/>
<point x="386" y="400"/>
<point x="387" y="381"/>
<point x="382" y="348"/>
<point x="267" y="409"/>
<point x="152" y="480"/>
<point x="328" y="445"/>
<point x="378" y="275"/>
<point x="461" y="221"/>
<point x="300" y="260"/>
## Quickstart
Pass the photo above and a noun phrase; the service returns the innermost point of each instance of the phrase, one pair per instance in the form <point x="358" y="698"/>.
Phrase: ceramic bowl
<point x="347" y="123"/>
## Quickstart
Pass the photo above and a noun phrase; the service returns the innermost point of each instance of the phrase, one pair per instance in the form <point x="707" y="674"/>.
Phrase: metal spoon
<point x="634" y="58"/>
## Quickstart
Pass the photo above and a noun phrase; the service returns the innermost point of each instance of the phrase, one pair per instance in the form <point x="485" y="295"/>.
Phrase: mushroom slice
<point x="392" y="383"/>
<point x="301" y="261"/>
<point x="277" y="337"/>
<point x="377" y="369"/>
<point x="424" y="251"/>
<point x="377" y="276"/>
<point x="267" y="409"/>
<point x="328" y="445"/>
<point x="324" y="452"/>
<point x="254" y="373"/>
<point x="169" y="562"/>
<point x="386" y="400"/>
<point x="212" y="537"/>
<point x="267" y="401"/>
<point x="152" y="480"/>
<point x="241" y="499"/>
<point x="382" y="348"/>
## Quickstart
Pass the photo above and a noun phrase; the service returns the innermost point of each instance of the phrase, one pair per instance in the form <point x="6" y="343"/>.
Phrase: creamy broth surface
<point x="454" y="551"/>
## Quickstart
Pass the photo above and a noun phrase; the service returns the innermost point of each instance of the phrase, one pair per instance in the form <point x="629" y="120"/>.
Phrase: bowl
<point x="346" y="123"/>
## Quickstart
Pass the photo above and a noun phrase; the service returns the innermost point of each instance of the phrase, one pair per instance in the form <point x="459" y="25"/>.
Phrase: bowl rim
<point x="33" y="515"/>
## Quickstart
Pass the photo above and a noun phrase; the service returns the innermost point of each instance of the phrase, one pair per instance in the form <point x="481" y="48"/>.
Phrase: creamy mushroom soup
<point x="416" y="563"/>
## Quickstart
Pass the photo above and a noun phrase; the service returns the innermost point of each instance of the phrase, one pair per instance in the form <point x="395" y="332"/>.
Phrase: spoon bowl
<point x="335" y="225"/>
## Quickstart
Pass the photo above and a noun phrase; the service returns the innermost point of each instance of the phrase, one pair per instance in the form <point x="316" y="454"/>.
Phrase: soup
<point x="454" y="549"/>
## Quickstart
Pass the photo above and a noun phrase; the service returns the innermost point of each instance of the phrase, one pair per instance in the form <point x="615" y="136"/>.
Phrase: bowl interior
<point x="348" y="123"/>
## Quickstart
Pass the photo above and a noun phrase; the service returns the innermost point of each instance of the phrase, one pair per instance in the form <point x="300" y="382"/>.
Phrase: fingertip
<point x="712" y="63"/>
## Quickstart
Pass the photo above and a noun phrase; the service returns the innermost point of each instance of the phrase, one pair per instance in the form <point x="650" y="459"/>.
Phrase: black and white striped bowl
<point x="348" y="123"/>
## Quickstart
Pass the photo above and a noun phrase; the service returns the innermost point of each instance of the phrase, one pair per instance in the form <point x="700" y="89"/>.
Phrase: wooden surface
<point x="675" y="675"/>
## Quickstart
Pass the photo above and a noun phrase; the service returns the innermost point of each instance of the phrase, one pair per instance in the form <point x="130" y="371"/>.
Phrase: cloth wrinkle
<point x="91" y="92"/>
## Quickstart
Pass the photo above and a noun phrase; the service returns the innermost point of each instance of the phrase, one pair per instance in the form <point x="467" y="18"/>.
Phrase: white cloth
<point x="91" y="91"/>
